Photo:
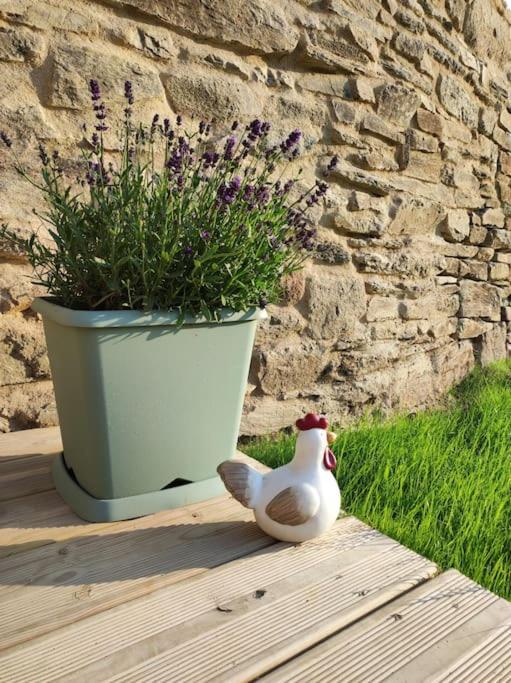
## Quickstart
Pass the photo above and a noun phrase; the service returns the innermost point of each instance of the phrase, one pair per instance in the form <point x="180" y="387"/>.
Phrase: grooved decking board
<point x="45" y="441"/>
<point x="450" y="629"/>
<point x="233" y="622"/>
<point x="48" y="587"/>
<point x="32" y="513"/>
<point x="24" y="476"/>
<point x="25" y="462"/>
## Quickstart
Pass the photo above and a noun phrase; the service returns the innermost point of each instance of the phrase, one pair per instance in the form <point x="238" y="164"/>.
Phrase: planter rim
<point x="74" y="318"/>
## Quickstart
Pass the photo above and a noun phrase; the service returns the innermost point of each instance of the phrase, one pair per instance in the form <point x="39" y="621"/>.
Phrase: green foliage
<point x="438" y="482"/>
<point x="181" y="222"/>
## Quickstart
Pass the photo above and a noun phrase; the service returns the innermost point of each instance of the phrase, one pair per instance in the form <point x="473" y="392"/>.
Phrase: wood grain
<point x="234" y="622"/>
<point x="450" y="629"/>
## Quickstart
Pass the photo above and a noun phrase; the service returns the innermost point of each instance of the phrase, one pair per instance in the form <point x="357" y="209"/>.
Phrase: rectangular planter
<point x="147" y="409"/>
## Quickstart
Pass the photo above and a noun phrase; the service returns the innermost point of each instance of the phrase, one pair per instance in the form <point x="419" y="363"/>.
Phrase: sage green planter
<point x="147" y="409"/>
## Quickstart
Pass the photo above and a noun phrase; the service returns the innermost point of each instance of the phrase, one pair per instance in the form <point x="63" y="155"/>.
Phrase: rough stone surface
<point x="479" y="300"/>
<point x="409" y="282"/>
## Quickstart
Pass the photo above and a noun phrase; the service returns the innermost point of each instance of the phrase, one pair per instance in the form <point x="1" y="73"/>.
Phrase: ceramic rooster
<point x="297" y="501"/>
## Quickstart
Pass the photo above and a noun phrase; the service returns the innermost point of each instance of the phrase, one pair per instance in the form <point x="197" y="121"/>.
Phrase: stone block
<point x="469" y="328"/>
<point x="424" y="166"/>
<point x="73" y="67"/>
<point x="498" y="271"/>
<point x="492" y="345"/>
<point x="212" y="97"/>
<point x="422" y="141"/>
<point x="487" y="120"/>
<point x="499" y="239"/>
<point x="20" y="45"/>
<point x="397" y="103"/>
<point x="382" y="308"/>
<point x="26" y="406"/>
<point x="505" y="163"/>
<point x="376" y="125"/>
<point x="505" y="119"/>
<point x="478" y="234"/>
<point x="334" y="85"/>
<point x="502" y="138"/>
<point x="476" y="270"/>
<point x="493" y="217"/>
<point x="429" y="306"/>
<point x="22" y="350"/>
<point x="259" y="25"/>
<point x="479" y="300"/>
<point x="344" y="113"/>
<point x="457" y="101"/>
<point x="429" y="122"/>
<point x="361" y="223"/>
<point x="334" y="306"/>
<point x="485" y="254"/>
<point x="362" y="89"/>
<point x="290" y="369"/>
<point x="456" y="225"/>
<point x="410" y="47"/>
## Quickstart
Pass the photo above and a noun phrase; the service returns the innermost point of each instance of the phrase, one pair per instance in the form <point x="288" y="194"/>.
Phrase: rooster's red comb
<point x="312" y="421"/>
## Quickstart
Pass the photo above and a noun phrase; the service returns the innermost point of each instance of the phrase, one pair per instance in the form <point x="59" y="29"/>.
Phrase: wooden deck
<point x="200" y="594"/>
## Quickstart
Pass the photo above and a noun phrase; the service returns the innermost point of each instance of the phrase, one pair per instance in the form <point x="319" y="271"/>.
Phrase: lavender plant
<point x="176" y="222"/>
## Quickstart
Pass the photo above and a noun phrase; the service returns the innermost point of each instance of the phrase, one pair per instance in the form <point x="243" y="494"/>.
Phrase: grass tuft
<point x="439" y="482"/>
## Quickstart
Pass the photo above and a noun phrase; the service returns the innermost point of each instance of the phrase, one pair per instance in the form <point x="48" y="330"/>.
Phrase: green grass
<point x="438" y="482"/>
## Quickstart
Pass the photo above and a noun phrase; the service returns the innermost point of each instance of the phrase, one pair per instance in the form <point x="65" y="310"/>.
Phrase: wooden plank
<point x="231" y="623"/>
<point x="450" y="629"/>
<point x="29" y="521"/>
<point x="46" y="440"/>
<point x="47" y="587"/>
<point x="25" y="476"/>
<point x="25" y="461"/>
<point x="37" y="520"/>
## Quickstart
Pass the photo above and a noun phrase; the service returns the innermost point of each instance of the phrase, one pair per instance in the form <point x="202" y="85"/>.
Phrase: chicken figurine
<point x="295" y="502"/>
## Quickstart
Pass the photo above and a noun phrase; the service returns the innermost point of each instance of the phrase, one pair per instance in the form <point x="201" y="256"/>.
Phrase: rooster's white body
<point x="295" y="502"/>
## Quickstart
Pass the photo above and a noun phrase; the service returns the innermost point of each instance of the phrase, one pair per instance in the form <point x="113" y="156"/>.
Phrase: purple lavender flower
<point x="235" y="125"/>
<point x="229" y="147"/>
<point x="333" y="163"/>
<point x="248" y="193"/>
<point x="45" y="159"/>
<point x="263" y="302"/>
<point x="292" y="139"/>
<point x="94" y="90"/>
<point x="166" y="126"/>
<point x="255" y="129"/>
<point x="210" y="159"/>
<point x="5" y="139"/>
<point x="188" y="251"/>
<point x="263" y="195"/>
<point x="226" y="194"/>
<point x="95" y="140"/>
<point x="287" y="187"/>
<point x="206" y="236"/>
<point x="202" y="127"/>
<point x="128" y="92"/>
<point x="179" y="119"/>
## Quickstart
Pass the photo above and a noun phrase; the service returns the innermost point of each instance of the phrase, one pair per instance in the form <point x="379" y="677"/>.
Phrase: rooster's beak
<point x="331" y="437"/>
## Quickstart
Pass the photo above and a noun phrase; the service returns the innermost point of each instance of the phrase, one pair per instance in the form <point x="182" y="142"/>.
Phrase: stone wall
<point x="409" y="283"/>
